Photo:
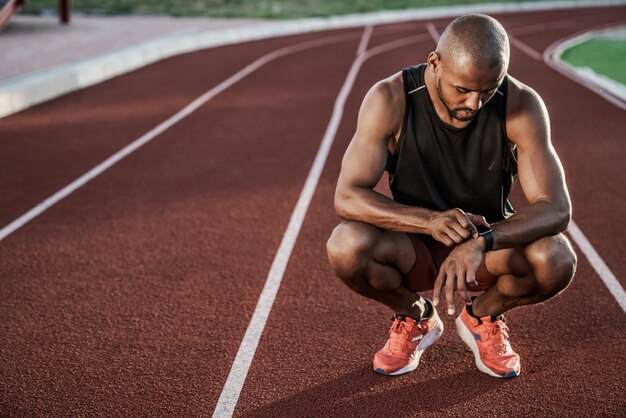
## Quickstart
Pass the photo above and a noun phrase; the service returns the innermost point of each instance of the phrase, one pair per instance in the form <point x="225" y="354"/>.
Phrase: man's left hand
<point x="458" y="272"/>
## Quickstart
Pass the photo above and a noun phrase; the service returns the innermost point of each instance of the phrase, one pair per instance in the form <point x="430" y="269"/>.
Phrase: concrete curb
<point x="20" y="93"/>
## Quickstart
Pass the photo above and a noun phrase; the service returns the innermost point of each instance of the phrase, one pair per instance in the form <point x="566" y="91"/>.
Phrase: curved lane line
<point x="551" y="59"/>
<point x="241" y="365"/>
<point x="398" y="43"/>
<point x="164" y="126"/>
<point x="550" y="25"/>
<point x="525" y="48"/>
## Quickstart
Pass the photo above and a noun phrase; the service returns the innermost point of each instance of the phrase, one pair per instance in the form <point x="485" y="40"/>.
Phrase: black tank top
<point x="440" y="167"/>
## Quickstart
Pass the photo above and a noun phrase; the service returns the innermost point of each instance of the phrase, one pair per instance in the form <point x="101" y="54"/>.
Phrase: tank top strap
<point x="413" y="80"/>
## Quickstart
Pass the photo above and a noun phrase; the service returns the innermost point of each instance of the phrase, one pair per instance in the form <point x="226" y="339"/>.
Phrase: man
<point x="453" y="133"/>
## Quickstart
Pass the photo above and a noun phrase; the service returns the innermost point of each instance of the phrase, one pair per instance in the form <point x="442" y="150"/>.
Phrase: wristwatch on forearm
<point x="488" y="240"/>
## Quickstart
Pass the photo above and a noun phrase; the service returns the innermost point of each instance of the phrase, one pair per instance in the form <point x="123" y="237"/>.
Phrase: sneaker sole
<point x="468" y="338"/>
<point x="428" y="340"/>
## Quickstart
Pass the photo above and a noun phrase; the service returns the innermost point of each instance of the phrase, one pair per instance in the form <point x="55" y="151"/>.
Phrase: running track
<point x="131" y="296"/>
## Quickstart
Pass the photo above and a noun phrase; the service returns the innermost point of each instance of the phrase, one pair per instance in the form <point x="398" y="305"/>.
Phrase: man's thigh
<point x="356" y="239"/>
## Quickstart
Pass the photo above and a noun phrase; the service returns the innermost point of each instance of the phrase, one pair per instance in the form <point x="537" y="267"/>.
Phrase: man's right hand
<point x="455" y="226"/>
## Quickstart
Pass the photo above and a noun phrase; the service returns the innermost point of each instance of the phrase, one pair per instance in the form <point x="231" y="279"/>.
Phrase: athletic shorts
<point x="429" y="255"/>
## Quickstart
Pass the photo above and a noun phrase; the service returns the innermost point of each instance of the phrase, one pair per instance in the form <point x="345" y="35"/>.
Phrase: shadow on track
<point x="363" y="393"/>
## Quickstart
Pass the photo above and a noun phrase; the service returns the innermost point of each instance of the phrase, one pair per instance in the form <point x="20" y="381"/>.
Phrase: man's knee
<point x="553" y="262"/>
<point x="350" y="246"/>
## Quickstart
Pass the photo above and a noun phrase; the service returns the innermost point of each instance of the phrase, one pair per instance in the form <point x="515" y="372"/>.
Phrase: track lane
<point x="316" y="351"/>
<point x="135" y="290"/>
<point x="314" y="344"/>
<point x="46" y="147"/>
<point x="341" y="384"/>
<point x="239" y="370"/>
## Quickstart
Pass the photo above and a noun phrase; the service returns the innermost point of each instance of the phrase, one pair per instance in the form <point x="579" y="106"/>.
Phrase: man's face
<point x="464" y="88"/>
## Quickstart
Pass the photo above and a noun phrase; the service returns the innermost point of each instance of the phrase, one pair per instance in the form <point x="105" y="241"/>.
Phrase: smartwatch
<point x="488" y="240"/>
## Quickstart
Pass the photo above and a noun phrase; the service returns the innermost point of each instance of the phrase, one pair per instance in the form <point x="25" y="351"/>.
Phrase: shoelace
<point x="399" y="335"/>
<point x="500" y="332"/>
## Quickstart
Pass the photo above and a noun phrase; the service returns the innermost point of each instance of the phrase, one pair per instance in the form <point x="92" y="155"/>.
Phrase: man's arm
<point x="364" y="163"/>
<point x="380" y="120"/>
<point x="540" y="175"/>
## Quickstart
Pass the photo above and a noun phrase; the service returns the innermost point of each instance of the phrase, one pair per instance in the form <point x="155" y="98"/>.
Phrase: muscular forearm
<point x="537" y="220"/>
<point x="366" y="205"/>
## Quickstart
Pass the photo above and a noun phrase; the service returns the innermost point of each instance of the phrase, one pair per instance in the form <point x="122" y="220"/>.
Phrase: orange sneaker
<point x="488" y="338"/>
<point x="407" y="341"/>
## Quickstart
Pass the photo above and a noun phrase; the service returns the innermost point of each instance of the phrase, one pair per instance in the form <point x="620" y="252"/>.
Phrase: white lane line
<point x="241" y="365"/>
<point x="398" y="43"/>
<point x="434" y="33"/>
<point x="180" y="115"/>
<point x="543" y="26"/>
<point x="599" y="265"/>
<point x="365" y="39"/>
<point x="525" y="48"/>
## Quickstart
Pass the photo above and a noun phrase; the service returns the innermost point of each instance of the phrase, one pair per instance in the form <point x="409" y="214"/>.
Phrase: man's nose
<point x="474" y="101"/>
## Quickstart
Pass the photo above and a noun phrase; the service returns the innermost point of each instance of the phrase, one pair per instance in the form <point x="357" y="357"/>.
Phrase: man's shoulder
<point x="390" y="89"/>
<point x="521" y="98"/>
<point x="386" y="98"/>
<point x="526" y="113"/>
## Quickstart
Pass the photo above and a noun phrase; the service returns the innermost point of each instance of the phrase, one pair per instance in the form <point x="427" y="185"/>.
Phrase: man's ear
<point x="434" y="61"/>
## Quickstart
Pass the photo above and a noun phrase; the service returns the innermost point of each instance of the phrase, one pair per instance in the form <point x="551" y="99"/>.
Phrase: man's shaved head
<point x="475" y="38"/>
<point x="470" y="63"/>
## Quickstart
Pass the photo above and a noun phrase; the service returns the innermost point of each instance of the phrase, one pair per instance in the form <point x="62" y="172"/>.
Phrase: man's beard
<point x="454" y="112"/>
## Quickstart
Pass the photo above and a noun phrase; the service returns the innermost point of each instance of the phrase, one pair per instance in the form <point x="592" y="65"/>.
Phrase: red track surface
<point x="131" y="296"/>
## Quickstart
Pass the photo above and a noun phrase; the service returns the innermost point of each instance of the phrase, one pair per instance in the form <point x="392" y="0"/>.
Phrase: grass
<point x="604" y="56"/>
<point x="281" y="9"/>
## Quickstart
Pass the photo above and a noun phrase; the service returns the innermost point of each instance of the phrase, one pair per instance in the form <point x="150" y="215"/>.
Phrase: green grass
<point x="604" y="56"/>
<point x="282" y="9"/>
